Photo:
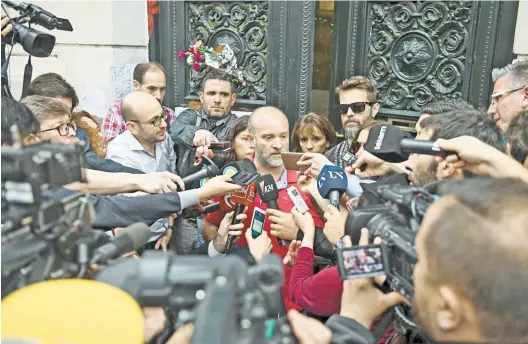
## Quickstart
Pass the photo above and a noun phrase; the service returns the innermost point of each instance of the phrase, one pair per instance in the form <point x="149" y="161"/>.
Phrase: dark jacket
<point x="182" y="134"/>
<point x="95" y="162"/>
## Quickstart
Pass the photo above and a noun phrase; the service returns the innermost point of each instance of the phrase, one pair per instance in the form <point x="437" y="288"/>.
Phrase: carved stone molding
<point x="244" y="26"/>
<point x="417" y="51"/>
<point x="306" y="51"/>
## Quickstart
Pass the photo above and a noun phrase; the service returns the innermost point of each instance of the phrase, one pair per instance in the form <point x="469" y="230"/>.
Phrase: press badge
<point x="257" y="222"/>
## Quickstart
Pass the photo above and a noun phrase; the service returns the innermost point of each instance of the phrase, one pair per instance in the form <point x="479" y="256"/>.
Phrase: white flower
<point x="190" y="59"/>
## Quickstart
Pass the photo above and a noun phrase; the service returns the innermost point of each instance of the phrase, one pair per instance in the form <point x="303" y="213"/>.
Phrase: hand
<point x="203" y="138"/>
<point x="309" y="330"/>
<point x="314" y="162"/>
<point x="159" y="182"/>
<point x="304" y="221"/>
<point x="6" y="29"/>
<point x="132" y="254"/>
<point x="182" y="335"/>
<point x="362" y="301"/>
<point x="282" y="224"/>
<point x="304" y="182"/>
<point x="334" y="227"/>
<point x="372" y="166"/>
<point x="217" y="186"/>
<point x="259" y="246"/>
<point x="291" y="255"/>
<point x="163" y="241"/>
<point x="226" y="228"/>
<point x="153" y="322"/>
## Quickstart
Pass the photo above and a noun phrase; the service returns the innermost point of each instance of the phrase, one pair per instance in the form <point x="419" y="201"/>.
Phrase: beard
<point x="426" y="176"/>
<point x="352" y="131"/>
<point x="267" y="159"/>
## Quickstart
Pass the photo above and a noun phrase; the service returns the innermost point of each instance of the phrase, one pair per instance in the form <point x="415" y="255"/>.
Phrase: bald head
<point x="264" y="115"/>
<point x="139" y="106"/>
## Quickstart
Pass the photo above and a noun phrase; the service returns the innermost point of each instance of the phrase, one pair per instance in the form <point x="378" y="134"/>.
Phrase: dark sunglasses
<point x="355" y="107"/>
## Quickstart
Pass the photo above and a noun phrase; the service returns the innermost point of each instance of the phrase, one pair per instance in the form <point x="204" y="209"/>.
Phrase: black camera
<point x="34" y="42"/>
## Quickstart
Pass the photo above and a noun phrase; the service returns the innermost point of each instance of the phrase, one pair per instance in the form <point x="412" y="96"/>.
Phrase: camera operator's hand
<point x="259" y="246"/>
<point x="291" y="256"/>
<point x="314" y="163"/>
<point x="334" y="228"/>
<point x="226" y="228"/>
<point x="159" y="182"/>
<point x="361" y="300"/>
<point x="163" y="241"/>
<point x="309" y="330"/>
<point x="217" y="186"/>
<point x="476" y="156"/>
<point x="5" y="21"/>
<point x="153" y="322"/>
<point x="182" y="335"/>
<point x="282" y="224"/>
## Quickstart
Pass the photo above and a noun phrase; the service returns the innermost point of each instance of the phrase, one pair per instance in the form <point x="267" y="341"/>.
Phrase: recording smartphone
<point x="257" y="222"/>
<point x="244" y="178"/>
<point x="290" y="161"/>
<point x="297" y="199"/>
<point x="220" y="145"/>
<point x="361" y="261"/>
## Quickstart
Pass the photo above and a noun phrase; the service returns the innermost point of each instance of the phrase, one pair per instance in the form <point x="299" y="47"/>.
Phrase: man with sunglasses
<point x="357" y="98"/>
<point x="510" y="93"/>
<point x="145" y="146"/>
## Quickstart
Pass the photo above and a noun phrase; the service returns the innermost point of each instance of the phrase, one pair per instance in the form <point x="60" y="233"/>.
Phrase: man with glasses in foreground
<point x="357" y="98"/>
<point x="510" y="93"/>
<point x="145" y="146"/>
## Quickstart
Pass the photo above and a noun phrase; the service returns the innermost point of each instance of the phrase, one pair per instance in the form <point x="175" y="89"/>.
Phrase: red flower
<point x="196" y="67"/>
<point x="191" y="49"/>
<point x="181" y="54"/>
<point x="198" y="57"/>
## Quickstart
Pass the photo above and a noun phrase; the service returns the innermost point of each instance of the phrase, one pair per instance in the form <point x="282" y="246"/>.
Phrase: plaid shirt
<point x="114" y="124"/>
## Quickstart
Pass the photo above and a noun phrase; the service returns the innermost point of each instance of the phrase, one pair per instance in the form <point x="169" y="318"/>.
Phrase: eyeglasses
<point x="64" y="128"/>
<point x="496" y="97"/>
<point x="156" y="121"/>
<point x="358" y="107"/>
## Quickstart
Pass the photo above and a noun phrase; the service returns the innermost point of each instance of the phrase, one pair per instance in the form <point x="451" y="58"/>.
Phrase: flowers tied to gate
<point x="220" y="58"/>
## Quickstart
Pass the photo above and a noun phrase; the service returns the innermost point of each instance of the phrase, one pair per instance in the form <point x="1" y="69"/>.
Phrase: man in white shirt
<point x="145" y="146"/>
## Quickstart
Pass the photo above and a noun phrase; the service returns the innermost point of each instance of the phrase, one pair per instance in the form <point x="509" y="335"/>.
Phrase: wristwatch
<point x="341" y="242"/>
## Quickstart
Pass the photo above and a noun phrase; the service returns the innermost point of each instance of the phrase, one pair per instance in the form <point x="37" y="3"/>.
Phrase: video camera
<point x="396" y="220"/>
<point x="43" y="236"/>
<point x="228" y="301"/>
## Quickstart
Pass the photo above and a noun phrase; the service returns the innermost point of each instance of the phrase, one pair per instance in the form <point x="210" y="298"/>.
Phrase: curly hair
<point x="97" y="142"/>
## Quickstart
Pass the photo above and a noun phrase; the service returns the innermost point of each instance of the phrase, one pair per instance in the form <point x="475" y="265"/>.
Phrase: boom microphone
<point x="384" y="142"/>
<point x="268" y="192"/>
<point x="131" y="238"/>
<point x="332" y="183"/>
<point x="209" y="171"/>
<point x="241" y="198"/>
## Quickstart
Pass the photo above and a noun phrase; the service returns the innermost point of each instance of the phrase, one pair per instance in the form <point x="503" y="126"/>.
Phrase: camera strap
<point x="28" y="71"/>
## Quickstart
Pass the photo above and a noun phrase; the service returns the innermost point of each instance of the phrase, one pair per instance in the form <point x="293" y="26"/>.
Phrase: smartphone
<point x="220" y="145"/>
<point x="290" y="161"/>
<point x="297" y="200"/>
<point x="244" y="178"/>
<point x="361" y="261"/>
<point x="257" y="222"/>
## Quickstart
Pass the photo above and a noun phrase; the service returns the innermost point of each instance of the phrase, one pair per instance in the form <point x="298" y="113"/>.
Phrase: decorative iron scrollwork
<point x="417" y="51"/>
<point x="242" y="25"/>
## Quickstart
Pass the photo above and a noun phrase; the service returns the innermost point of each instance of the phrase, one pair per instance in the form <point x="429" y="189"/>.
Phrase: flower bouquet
<point x="220" y="58"/>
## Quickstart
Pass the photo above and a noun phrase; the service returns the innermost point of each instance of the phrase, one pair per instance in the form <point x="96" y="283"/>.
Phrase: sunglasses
<point x="355" y="107"/>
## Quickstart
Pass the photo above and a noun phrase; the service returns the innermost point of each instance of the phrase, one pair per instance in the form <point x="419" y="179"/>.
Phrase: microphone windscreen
<point x="247" y="165"/>
<point x="226" y="204"/>
<point x="384" y="142"/>
<point x="267" y="188"/>
<point x="231" y="169"/>
<point x="138" y="233"/>
<point x="245" y="196"/>
<point x="331" y="178"/>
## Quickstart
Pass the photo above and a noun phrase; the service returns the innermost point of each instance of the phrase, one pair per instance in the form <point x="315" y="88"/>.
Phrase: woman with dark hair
<point x="313" y="133"/>
<point x="241" y="141"/>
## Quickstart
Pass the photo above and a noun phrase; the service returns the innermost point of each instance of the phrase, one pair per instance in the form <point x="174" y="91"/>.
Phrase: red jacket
<point x="285" y="205"/>
<point x="318" y="294"/>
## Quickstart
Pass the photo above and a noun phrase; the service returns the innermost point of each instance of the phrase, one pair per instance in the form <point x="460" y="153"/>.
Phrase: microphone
<point x="241" y="198"/>
<point x="384" y="142"/>
<point x="209" y="171"/>
<point x="130" y="239"/>
<point x="422" y="147"/>
<point x="332" y="182"/>
<point x="226" y="204"/>
<point x="269" y="193"/>
<point x="211" y="208"/>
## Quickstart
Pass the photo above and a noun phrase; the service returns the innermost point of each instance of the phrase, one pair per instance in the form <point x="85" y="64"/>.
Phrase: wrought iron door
<point x="417" y="52"/>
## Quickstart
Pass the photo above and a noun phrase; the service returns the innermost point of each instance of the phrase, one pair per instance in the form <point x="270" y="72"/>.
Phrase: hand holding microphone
<point x="242" y="198"/>
<point x="332" y="183"/>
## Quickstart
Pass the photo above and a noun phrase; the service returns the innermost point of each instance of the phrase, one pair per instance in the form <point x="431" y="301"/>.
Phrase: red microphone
<point x="241" y="198"/>
<point x="226" y="204"/>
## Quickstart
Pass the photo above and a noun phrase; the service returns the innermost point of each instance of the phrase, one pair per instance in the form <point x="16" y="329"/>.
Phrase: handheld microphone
<point x="226" y="204"/>
<point x="269" y="193"/>
<point x="332" y="182"/>
<point x="211" y="208"/>
<point x="209" y="171"/>
<point x="422" y="147"/>
<point x="241" y="198"/>
<point x="384" y="142"/>
<point x="243" y="165"/>
<point x="131" y="238"/>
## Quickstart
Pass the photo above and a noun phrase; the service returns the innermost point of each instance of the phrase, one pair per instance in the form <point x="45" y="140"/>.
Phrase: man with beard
<point x="145" y="146"/>
<point x="510" y="93"/>
<point x="357" y="98"/>
<point x="424" y="168"/>
<point x="150" y="78"/>
<point x="470" y="278"/>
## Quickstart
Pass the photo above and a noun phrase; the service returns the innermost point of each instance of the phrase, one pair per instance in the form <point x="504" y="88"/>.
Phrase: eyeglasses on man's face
<point x="63" y="129"/>
<point x="497" y="97"/>
<point x="156" y="121"/>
